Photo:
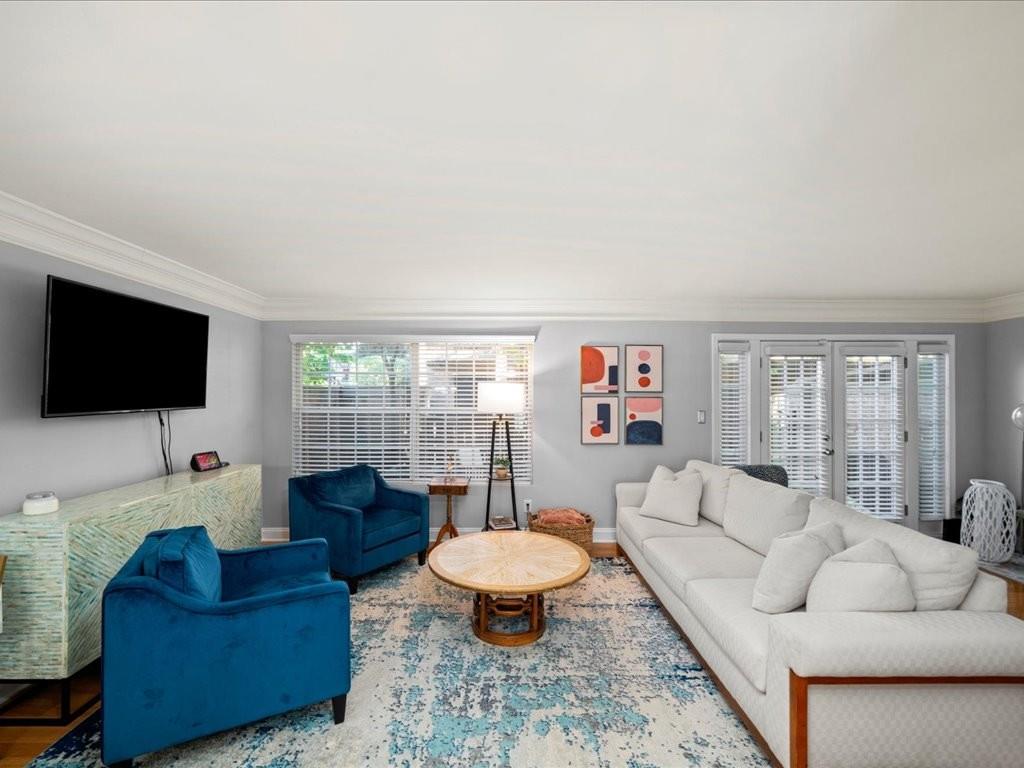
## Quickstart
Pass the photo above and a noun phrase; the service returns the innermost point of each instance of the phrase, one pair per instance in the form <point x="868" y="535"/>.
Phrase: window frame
<point x="913" y="345"/>
<point x="526" y="440"/>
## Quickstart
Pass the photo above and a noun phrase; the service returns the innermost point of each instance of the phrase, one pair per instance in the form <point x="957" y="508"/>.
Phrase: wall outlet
<point x="702" y="416"/>
<point x="528" y="503"/>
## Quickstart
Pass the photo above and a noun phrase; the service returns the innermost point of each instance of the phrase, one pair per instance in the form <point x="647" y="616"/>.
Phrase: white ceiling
<point x="533" y="152"/>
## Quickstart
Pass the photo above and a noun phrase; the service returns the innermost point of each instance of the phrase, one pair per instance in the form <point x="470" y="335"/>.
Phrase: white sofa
<point x="847" y="708"/>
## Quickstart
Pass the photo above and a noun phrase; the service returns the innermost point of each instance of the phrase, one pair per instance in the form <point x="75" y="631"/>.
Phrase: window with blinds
<point x="874" y="417"/>
<point x="406" y="407"/>
<point x="733" y="407"/>
<point x="932" y="426"/>
<point x="798" y="419"/>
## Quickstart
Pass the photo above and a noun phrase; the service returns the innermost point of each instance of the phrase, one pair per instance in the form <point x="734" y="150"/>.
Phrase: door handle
<point x="829" y="452"/>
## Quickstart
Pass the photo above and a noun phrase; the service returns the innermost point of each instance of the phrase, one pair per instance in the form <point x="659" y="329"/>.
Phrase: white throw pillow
<point x="676" y="500"/>
<point x="792" y="561"/>
<point x="866" y="577"/>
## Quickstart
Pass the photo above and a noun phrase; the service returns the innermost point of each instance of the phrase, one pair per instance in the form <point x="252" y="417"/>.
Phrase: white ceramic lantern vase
<point x="989" y="524"/>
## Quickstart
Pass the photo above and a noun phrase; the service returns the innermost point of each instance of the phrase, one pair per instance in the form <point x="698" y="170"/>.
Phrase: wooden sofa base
<point x="798" y="690"/>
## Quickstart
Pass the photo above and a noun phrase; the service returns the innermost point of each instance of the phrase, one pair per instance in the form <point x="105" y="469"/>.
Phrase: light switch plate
<point x="702" y="417"/>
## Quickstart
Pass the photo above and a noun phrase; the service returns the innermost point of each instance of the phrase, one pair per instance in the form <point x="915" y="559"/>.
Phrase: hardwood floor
<point x="18" y="745"/>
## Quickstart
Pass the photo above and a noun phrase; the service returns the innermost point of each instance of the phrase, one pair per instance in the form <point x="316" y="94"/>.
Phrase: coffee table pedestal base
<point x="530" y="606"/>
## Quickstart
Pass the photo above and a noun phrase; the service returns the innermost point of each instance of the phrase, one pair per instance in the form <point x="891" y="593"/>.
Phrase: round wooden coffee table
<point x="509" y="571"/>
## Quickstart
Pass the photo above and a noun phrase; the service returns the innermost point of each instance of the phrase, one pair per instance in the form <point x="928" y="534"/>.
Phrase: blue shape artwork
<point x="643" y="433"/>
<point x="613" y="377"/>
<point x="604" y="414"/>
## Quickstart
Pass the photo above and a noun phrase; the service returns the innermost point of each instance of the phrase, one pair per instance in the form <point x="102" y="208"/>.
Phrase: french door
<point x="834" y="415"/>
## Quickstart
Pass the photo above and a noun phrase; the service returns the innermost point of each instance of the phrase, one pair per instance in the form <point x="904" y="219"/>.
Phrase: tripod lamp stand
<point x="501" y="399"/>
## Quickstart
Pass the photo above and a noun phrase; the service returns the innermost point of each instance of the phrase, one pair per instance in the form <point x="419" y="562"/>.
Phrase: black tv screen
<point x="111" y="353"/>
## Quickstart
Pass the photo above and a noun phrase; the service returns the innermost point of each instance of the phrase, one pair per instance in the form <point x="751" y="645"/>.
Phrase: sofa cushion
<point x="186" y="560"/>
<point x="756" y="512"/>
<point x="940" y="573"/>
<point x="352" y="487"/>
<point x="679" y="561"/>
<point x="865" y="577"/>
<point x="675" y="499"/>
<point x="792" y="561"/>
<point x="723" y="608"/>
<point x="382" y="525"/>
<point x="716" y="485"/>
<point x="639" y="528"/>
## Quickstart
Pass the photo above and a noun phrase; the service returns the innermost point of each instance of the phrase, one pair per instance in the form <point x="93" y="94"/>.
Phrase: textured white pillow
<point x="792" y="561"/>
<point x="866" y="577"/>
<point x="676" y="500"/>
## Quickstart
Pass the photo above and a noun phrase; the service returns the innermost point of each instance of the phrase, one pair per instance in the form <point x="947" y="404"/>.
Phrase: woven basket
<point x="582" y="535"/>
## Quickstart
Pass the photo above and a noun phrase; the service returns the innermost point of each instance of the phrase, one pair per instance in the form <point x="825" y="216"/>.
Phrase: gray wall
<point x="565" y="472"/>
<point x="1004" y="377"/>
<point x="73" y="456"/>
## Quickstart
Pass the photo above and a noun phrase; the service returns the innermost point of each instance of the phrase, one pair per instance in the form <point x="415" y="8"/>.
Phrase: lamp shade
<point x="499" y="397"/>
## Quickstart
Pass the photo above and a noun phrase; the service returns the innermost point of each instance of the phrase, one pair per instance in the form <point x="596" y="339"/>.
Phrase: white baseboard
<point x="275" y="534"/>
<point x="281" y="534"/>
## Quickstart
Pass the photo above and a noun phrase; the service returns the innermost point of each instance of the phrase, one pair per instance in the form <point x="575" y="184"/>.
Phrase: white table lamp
<point x="500" y="397"/>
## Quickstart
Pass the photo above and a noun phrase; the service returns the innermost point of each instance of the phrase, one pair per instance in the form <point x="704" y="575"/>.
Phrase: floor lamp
<point x="501" y="399"/>
<point x="1018" y="422"/>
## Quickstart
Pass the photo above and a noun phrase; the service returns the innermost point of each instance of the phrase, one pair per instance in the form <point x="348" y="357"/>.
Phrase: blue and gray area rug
<point x="610" y="684"/>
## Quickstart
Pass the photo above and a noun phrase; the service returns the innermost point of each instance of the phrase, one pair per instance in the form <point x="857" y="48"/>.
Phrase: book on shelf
<point x="503" y="523"/>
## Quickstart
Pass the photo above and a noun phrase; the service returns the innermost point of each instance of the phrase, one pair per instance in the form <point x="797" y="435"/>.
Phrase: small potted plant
<point x="501" y="467"/>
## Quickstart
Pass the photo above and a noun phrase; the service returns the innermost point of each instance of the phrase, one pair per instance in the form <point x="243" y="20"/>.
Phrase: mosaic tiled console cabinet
<point x="58" y="564"/>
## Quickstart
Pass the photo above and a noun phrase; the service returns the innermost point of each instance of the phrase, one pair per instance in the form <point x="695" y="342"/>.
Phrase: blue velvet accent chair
<point x="198" y="640"/>
<point x="367" y="523"/>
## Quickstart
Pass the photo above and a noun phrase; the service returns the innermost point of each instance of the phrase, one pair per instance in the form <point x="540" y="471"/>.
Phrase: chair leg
<point x="338" y="703"/>
<point x="353" y="585"/>
<point x="422" y="556"/>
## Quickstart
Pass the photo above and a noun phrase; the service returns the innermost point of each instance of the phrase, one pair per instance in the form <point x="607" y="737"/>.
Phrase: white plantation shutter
<point x="406" y="407"/>
<point x="448" y="428"/>
<point x="875" y="442"/>
<point x="798" y="418"/>
<point x="932" y="426"/>
<point x="733" y="407"/>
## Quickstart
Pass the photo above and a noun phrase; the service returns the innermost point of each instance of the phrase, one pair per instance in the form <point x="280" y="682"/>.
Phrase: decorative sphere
<point x="1018" y="416"/>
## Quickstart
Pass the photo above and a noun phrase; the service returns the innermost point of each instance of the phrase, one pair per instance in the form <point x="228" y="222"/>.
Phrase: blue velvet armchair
<point x="367" y="523"/>
<point x="198" y="640"/>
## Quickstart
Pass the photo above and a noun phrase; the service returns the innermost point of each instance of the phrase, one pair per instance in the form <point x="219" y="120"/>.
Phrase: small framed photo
<point x="599" y="370"/>
<point x="644" y="368"/>
<point x="599" y="420"/>
<point x="644" y="420"/>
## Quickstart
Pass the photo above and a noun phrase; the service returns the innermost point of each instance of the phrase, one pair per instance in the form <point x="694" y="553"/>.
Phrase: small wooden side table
<point x="448" y="486"/>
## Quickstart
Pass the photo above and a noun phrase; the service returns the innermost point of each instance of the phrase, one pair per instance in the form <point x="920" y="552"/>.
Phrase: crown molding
<point x="38" y="229"/>
<point x="707" y="310"/>
<point x="1007" y="307"/>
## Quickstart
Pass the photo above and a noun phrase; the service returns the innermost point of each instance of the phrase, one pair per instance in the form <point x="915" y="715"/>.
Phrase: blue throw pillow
<point x="186" y="559"/>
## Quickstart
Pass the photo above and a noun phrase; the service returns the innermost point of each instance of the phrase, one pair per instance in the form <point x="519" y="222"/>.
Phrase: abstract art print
<point x="644" y="419"/>
<point x="644" y="367"/>
<point x="599" y="370"/>
<point x="599" y="420"/>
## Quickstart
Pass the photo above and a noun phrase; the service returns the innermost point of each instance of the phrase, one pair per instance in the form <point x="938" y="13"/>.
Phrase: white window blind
<point x="406" y="407"/>
<point x="798" y="419"/>
<point x="874" y="424"/>
<point x="448" y="428"/>
<point x="932" y="420"/>
<point x="733" y="407"/>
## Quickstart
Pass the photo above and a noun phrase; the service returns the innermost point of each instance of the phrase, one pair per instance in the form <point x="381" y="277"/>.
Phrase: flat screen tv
<point x="111" y="353"/>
